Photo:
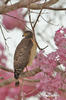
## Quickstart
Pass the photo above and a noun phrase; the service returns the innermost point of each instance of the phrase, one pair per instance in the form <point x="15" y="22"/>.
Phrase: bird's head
<point x="28" y="34"/>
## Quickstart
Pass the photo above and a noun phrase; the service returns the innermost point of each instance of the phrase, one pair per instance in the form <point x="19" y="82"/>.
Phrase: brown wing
<point x="21" y="57"/>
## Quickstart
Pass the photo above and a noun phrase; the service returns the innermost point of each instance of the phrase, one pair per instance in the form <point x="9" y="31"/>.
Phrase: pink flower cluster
<point x="14" y="19"/>
<point x="60" y="40"/>
<point x="3" y="58"/>
<point x="48" y="81"/>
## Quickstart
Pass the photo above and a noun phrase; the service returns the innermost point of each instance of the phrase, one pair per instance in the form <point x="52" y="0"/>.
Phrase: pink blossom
<point x="43" y="98"/>
<point x="60" y="38"/>
<point x="62" y="56"/>
<point x="1" y="47"/>
<point x="13" y="93"/>
<point x="3" y="93"/>
<point x="46" y="63"/>
<point x="50" y="84"/>
<point x="3" y="58"/>
<point x="62" y="96"/>
<point x="16" y="21"/>
<point x="30" y="90"/>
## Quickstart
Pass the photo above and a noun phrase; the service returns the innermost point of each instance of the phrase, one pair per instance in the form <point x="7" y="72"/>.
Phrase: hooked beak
<point x="25" y="34"/>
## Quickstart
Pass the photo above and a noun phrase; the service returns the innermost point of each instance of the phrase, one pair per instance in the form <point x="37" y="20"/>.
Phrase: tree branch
<point x="23" y="75"/>
<point x="6" y="69"/>
<point x="7" y="1"/>
<point x="56" y="9"/>
<point x="30" y="73"/>
<point x="24" y="3"/>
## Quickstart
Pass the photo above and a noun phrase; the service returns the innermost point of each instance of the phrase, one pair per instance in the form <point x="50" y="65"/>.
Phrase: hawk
<point x="24" y="54"/>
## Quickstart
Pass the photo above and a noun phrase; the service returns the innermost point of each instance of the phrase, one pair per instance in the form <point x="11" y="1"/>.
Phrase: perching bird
<point x="24" y="54"/>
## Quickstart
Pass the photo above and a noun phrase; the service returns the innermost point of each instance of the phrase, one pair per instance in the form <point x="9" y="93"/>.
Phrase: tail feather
<point x="16" y="76"/>
<point x="17" y="83"/>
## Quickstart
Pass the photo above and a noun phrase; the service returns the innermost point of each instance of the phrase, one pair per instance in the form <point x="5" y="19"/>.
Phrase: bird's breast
<point x="33" y="53"/>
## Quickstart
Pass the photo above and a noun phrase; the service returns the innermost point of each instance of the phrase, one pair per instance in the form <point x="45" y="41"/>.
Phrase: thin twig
<point x="63" y="73"/>
<point x="56" y="9"/>
<point x="7" y="82"/>
<point x="31" y="80"/>
<point x="30" y="73"/>
<point x="48" y="21"/>
<point x="1" y="78"/>
<point x="33" y="26"/>
<point x="63" y="90"/>
<point x="4" y="36"/>
<point x="20" y="93"/>
<point x="48" y="3"/>
<point x="34" y="12"/>
<point x="34" y="30"/>
<point x="44" y="4"/>
<point x="7" y="1"/>
<point x="4" y="27"/>
<point x="37" y="18"/>
<point x="17" y="18"/>
<point x="31" y="92"/>
<point x="25" y="13"/>
<point x="6" y="69"/>
<point x="29" y="13"/>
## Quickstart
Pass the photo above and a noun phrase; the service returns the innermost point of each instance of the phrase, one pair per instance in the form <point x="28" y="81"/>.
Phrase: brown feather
<point x="22" y="55"/>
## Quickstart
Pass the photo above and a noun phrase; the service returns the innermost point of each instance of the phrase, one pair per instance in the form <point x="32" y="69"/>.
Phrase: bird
<point x="24" y="54"/>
